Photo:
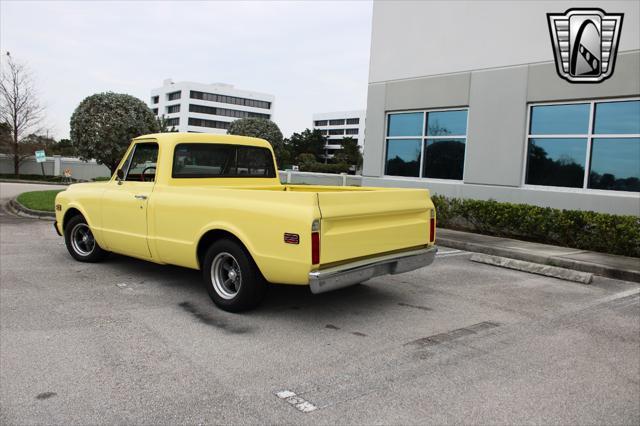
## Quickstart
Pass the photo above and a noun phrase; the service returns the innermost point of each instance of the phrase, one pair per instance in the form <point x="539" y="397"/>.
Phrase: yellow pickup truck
<point x="215" y="203"/>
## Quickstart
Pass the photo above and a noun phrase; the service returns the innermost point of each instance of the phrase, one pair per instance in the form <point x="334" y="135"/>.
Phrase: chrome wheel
<point x="82" y="239"/>
<point x="225" y="275"/>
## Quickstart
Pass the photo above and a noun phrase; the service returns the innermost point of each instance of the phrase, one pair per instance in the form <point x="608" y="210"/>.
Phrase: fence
<point x="88" y="170"/>
<point x="311" y="178"/>
<point x="55" y="166"/>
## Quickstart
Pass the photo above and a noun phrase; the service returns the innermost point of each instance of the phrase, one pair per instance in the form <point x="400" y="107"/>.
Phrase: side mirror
<point x="119" y="176"/>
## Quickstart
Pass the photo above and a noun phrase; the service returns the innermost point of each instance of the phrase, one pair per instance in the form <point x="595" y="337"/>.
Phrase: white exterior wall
<point x="495" y="59"/>
<point x="425" y="38"/>
<point x="334" y="140"/>
<point x="217" y="88"/>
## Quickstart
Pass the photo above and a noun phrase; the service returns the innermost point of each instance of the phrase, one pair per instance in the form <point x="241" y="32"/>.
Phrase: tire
<point x="231" y="277"/>
<point x="80" y="242"/>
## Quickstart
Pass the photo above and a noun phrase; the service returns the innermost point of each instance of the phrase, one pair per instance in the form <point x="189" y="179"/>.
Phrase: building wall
<point x="333" y="143"/>
<point x="161" y="107"/>
<point x="419" y="38"/>
<point x="497" y="87"/>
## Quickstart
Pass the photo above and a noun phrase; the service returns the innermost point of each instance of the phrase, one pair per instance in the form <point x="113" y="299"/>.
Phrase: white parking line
<point x="451" y="253"/>
<point x="299" y="403"/>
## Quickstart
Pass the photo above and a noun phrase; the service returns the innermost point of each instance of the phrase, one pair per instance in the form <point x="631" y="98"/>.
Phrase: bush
<point x="584" y="230"/>
<point x="324" y="168"/>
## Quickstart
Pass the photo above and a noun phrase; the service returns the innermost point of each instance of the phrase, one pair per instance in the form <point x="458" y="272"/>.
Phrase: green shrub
<point x="585" y="230"/>
<point x="101" y="178"/>
<point x="324" y="168"/>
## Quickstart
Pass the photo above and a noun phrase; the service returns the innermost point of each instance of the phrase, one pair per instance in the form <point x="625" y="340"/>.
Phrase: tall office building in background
<point x="207" y="108"/>
<point x="338" y="125"/>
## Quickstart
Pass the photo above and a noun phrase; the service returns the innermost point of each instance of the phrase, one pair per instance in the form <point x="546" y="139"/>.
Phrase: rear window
<point x="200" y="160"/>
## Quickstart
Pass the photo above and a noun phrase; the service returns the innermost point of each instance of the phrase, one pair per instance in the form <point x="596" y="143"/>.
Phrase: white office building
<point x="465" y="99"/>
<point x="207" y="108"/>
<point x="338" y="125"/>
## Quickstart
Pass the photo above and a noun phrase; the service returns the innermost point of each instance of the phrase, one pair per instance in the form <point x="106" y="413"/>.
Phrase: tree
<point x="20" y="111"/>
<point x="349" y="153"/>
<point x="163" y="127"/>
<point x="264" y="129"/>
<point x="103" y="125"/>
<point x="307" y="142"/>
<point x="63" y="147"/>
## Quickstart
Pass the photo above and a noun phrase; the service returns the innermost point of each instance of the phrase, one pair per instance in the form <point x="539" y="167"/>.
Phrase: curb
<point x="38" y="182"/>
<point x="594" y="268"/>
<point x="15" y="207"/>
<point x="534" y="268"/>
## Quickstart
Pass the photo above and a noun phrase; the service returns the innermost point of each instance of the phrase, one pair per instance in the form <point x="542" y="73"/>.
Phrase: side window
<point x="141" y="166"/>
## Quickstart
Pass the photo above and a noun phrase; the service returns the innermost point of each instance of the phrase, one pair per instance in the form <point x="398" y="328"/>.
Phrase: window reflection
<point x="403" y="157"/>
<point x="447" y="123"/>
<point x="570" y="119"/>
<point x="616" y="118"/>
<point x="556" y="162"/>
<point x="444" y="158"/>
<point x="615" y="164"/>
<point x="408" y="124"/>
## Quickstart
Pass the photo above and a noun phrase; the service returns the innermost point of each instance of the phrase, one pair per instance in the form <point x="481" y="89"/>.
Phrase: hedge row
<point x="583" y="230"/>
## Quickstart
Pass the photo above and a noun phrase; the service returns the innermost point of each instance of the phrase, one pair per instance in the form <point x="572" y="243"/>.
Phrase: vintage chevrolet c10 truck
<point x="215" y="203"/>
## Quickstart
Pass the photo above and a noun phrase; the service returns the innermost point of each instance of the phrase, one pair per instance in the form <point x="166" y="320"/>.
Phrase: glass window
<point x="173" y="96"/>
<point x="443" y="158"/>
<point x="217" y="160"/>
<point x="570" y="119"/>
<point x="403" y="157"/>
<point x="556" y="162"/>
<point x="609" y="145"/>
<point x="173" y="109"/>
<point x="447" y="123"/>
<point x="614" y="118"/>
<point x="353" y="121"/>
<point x="615" y="164"/>
<point x="406" y="124"/>
<point x="142" y="166"/>
<point x="321" y="122"/>
<point x="336" y="122"/>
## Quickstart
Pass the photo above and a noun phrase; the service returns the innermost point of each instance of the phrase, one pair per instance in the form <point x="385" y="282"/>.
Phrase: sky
<point x="312" y="55"/>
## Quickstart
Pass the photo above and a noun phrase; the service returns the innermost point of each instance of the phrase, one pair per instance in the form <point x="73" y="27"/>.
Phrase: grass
<point x="39" y="200"/>
<point x="11" y="176"/>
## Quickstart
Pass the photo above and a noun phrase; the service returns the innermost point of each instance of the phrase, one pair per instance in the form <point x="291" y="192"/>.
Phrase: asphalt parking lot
<point x="131" y="342"/>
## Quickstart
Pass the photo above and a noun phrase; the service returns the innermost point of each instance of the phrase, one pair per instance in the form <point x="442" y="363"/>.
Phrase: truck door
<point x="124" y="204"/>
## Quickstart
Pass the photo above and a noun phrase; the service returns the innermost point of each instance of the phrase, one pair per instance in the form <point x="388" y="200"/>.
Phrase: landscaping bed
<point x="584" y="230"/>
<point x="39" y="200"/>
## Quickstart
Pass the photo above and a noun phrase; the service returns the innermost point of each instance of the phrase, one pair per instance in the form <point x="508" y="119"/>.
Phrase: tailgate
<point x="363" y="223"/>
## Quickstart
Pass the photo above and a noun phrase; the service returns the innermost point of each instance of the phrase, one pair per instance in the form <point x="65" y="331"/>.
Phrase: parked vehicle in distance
<point x="215" y="203"/>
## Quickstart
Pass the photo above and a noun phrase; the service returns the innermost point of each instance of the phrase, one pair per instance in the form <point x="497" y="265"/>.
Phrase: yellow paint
<point x="167" y="226"/>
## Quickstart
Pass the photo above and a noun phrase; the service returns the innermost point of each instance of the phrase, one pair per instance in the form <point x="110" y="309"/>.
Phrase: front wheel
<point x="80" y="241"/>
<point x="232" y="279"/>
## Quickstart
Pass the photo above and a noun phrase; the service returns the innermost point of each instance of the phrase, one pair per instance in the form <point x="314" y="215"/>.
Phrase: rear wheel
<point x="231" y="277"/>
<point x="80" y="241"/>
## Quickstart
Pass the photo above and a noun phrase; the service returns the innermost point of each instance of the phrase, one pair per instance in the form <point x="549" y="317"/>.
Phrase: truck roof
<point x="173" y="138"/>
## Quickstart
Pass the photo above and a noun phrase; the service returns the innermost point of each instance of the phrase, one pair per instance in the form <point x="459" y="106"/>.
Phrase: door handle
<point x="140" y="197"/>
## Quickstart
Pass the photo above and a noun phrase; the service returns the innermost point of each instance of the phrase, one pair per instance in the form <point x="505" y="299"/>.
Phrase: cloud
<point x="312" y="55"/>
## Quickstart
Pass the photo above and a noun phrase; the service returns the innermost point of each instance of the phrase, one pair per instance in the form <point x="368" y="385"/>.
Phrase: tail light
<point x="315" y="242"/>
<point x="432" y="226"/>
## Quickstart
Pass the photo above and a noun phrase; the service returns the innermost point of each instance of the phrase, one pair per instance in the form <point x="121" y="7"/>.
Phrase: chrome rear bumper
<point x="359" y="271"/>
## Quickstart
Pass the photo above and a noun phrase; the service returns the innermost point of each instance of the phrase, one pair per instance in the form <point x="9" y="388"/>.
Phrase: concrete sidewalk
<point x="607" y="265"/>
